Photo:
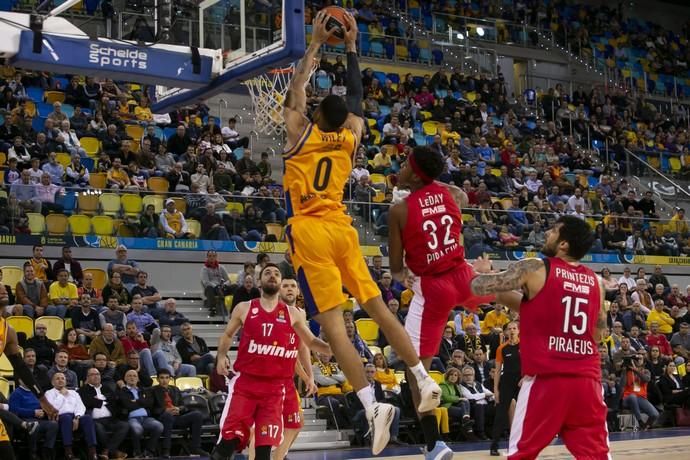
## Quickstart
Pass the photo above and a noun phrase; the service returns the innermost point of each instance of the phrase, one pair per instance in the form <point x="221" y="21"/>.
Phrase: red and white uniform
<point x="292" y="410"/>
<point x="434" y="252"/>
<point x="561" y="392"/>
<point x="265" y="361"/>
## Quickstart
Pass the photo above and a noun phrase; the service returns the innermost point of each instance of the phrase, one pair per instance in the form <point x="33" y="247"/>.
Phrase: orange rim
<point x="281" y="71"/>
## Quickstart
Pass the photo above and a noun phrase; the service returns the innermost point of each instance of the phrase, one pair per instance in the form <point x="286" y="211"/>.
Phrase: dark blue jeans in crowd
<point x="140" y="425"/>
<point x="86" y="426"/>
<point x="191" y="420"/>
<point x="111" y="433"/>
<point x="204" y="365"/>
<point x="47" y="430"/>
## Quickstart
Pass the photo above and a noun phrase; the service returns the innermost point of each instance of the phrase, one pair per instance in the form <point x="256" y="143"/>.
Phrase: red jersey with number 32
<point x="557" y="326"/>
<point x="432" y="236"/>
<point x="268" y="345"/>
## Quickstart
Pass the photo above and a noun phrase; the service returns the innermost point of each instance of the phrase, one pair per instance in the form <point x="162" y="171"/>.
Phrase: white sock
<point x="366" y="395"/>
<point x="419" y="372"/>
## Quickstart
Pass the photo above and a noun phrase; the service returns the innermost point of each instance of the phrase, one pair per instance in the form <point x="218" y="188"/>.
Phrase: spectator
<point x="164" y="160"/>
<point x="214" y="280"/>
<point x="166" y="356"/>
<point x="54" y="170"/>
<point x="144" y="322"/>
<point x="232" y="137"/>
<point x="658" y="277"/>
<point x="171" y="317"/>
<point x="44" y="348"/>
<point x="61" y="366"/>
<point x="634" y="380"/>
<point x="359" y="420"/>
<point x="672" y="388"/>
<point x="71" y="139"/>
<point x="168" y="407"/>
<point x="79" y="359"/>
<point x="657" y="339"/>
<point x="127" y="268"/>
<point x="329" y="380"/>
<point x="39" y="371"/>
<point x="101" y="404"/>
<point x="85" y="320"/>
<point x="680" y="341"/>
<point x="46" y="194"/>
<point x="114" y="314"/>
<point x="212" y="225"/>
<point x="480" y="398"/>
<point x="495" y="319"/>
<point x="32" y="294"/>
<point x="135" y="364"/>
<point x="73" y="267"/>
<point x="178" y="178"/>
<point x="149" y="222"/>
<point x="661" y="317"/>
<point x="452" y="399"/>
<point x="88" y="288"/>
<point x="24" y="403"/>
<point x="173" y="222"/>
<point x="26" y="193"/>
<point x="193" y="350"/>
<point x="138" y="403"/>
<point x="109" y="345"/>
<point x="178" y="142"/>
<point x="57" y="115"/>
<point x="149" y="294"/>
<point x="247" y="291"/>
<point x="134" y="340"/>
<point x="62" y="295"/>
<point x="118" y="177"/>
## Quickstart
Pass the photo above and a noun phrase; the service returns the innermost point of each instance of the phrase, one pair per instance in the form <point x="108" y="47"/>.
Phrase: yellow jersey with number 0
<point x="317" y="169"/>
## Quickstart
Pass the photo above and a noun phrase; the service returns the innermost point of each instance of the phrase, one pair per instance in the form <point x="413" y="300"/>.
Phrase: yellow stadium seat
<point x="131" y="204"/>
<point x="102" y="225"/>
<point x="371" y="122"/>
<point x="79" y="224"/>
<point x="4" y="387"/>
<point x="675" y="164"/>
<point x="53" y="96"/>
<point x="68" y="323"/>
<point x="506" y="203"/>
<point x="227" y="301"/>
<point x="430" y="128"/>
<point x="159" y="184"/>
<point x="156" y="200"/>
<point x="368" y="330"/>
<point x="23" y="324"/>
<point x="425" y="114"/>
<point x="496" y="172"/>
<point x="399" y="377"/>
<point x="110" y="204"/>
<point x="154" y="379"/>
<point x="682" y="370"/>
<point x="275" y="230"/>
<point x="375" y="350"/>
<point x="387" y="351"/>
<point x="88" y="203"/>
<point x="136" y="132"/>
<point x="471" y="96"/>
<point x="30" y="108"/>
<point x="100" y="277"/>
<point x="37" y="223"/>
<point x="194" y="227"/>
<point x="234" y="205"/>
<point x="401" y="52"/>
<point x="98" y="180"/>
<point x="11" y="275"/>
<point x="654" y="162"/>
<point x="380" y="197"/>
<point x="189" y="383"/>
<point x="467" y="218"/>
<point x="91" y="145"/>
<point x="64" y="159"/>
<point x="56" y="224"/>
<point x="232" y="277"/>
<point x="6" y="369"/>
<point x="3" y="158"/>
<point x="377" y="178"/>
<point x="437" y="376"/>
<point x="55" y="325"/>
<point x="180" y="204"/>
<point x="377" y="136"/>
<point x="125" y="231"/>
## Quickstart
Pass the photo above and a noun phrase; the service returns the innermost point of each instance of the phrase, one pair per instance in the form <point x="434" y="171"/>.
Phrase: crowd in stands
<point x="103" y="136"/>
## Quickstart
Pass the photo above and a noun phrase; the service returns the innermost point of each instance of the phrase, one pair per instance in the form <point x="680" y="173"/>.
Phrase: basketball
<point x="337" y="20"/>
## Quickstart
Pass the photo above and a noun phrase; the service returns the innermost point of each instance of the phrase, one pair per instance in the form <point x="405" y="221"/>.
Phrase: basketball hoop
<point x="268" y="95"/>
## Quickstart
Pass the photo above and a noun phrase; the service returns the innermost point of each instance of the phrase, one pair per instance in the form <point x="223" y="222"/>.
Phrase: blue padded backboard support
<point x="294" y="46"/>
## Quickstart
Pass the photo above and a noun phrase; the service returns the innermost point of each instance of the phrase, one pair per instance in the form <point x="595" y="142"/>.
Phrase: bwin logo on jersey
<point x="105" y="56"/>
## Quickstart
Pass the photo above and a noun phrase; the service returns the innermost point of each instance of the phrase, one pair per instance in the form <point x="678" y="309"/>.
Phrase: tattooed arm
<point x="458" y="194"/>
<point x="527" y="274"/>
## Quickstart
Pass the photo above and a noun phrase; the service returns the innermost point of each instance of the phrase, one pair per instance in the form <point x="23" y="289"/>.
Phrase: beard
<point x="270" y="288"/>
<point x="549" y="250"/>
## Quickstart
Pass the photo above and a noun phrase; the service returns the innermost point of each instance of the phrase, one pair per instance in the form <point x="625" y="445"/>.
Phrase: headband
<point x="418" y="171"/>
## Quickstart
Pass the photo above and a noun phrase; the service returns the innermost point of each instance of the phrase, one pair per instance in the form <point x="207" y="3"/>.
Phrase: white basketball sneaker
<point x="430" y="395"/>
<point x="380" y="416"/>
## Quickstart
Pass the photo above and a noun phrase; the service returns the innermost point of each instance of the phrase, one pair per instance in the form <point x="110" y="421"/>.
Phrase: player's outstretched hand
<point x="320" y="34"/>
<point x="222" y="366"/>
<point x="482" y="264"/>
<point x="50" y="411"/>
<point x="350" y="30"/>
<point x="311" y="387"/>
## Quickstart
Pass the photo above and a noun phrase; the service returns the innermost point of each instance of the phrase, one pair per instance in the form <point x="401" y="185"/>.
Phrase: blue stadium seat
<point x="35" y="93"/>
<point x="38" y="123"/>
<point x="44" y="109"/>
<point x="376" y="50"/>
<point x="425" y="55"/>
<point x="394" y="77"/>
<point x="61" y="81"/>
<point x="169" y="131"/>
<point x="68" y="110"/>
<point x="438" y="56"/>
<point x="420" y="139"/>
<point x="68" y="202"/>
<point x="238" y="153"/>
<point x="88" y="163"/>
<point x="381" y="77"/>
<point x="385" y="110"/>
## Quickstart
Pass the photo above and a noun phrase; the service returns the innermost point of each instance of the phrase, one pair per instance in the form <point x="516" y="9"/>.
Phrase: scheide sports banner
<point x="149" y="65"/>
<point x="166" y="244"/>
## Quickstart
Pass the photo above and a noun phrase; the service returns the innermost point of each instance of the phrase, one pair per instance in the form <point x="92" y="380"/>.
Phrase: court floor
<point x="666" y="444"/>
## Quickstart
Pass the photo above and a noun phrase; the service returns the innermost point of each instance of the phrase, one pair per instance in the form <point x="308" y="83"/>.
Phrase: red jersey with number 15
<point x="557" y="326"/>
<point x="432" y="236"/>
<point x="269" y="343"/>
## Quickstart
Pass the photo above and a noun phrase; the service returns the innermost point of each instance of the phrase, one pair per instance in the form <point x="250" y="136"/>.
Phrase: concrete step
<point x="320" y="445"/>
<point x="315" y="422"/>
<point x="321" y="436"/>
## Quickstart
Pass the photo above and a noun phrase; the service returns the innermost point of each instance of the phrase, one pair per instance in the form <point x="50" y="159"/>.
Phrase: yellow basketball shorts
<point x="326" y="256"/>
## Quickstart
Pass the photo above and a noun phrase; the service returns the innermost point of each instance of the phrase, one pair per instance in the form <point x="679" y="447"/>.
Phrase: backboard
<point x="252" y="35"/>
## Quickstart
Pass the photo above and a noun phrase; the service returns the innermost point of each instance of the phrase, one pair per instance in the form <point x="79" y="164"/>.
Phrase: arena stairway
<point x="315" y="435"/>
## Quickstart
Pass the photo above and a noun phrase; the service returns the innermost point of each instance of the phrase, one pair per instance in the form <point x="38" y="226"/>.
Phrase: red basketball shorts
<point x="569" y="406"/>
<point x="253" y="402"/>
<point x="292" y="411"/>
<point x="434" y="297"/>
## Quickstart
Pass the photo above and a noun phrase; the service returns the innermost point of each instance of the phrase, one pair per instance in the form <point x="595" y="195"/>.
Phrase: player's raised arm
<point x="526" y="274"/>
<point x="295" y="105"/>
<point x="355" y="90"/>
<point x="396" y="221"/>
<point x="458" y="194"/>
<point x="225" y="342"/>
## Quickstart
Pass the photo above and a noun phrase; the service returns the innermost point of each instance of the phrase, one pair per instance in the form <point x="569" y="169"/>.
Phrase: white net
<point x="268" y="94"/>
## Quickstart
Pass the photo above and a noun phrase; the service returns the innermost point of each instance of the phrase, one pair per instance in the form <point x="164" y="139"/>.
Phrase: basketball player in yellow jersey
<point x="9" y="345"/>
<point x="324" y="246"/>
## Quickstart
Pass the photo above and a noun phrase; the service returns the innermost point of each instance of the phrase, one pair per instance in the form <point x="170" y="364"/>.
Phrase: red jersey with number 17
<point x="557" y="326"/>
<point x="269" y="343"/>
<point x="432" y="236"/>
